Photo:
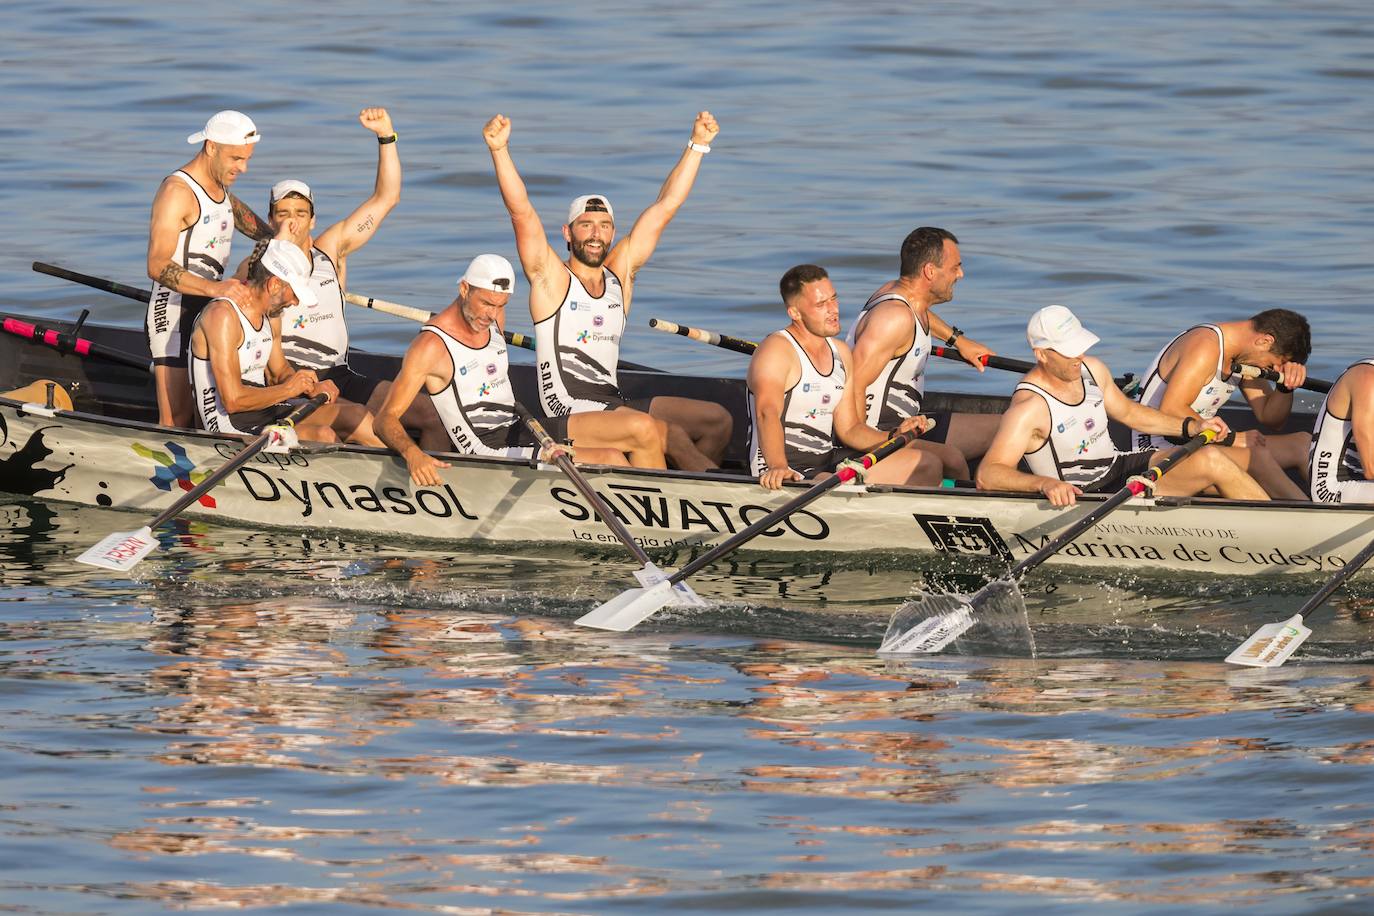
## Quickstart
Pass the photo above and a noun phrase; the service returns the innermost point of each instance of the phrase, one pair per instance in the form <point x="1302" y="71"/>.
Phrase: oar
<point x="123" y="550"/>
<point x="109" y="286"/>
<point x="67" y="342"/>
<point x="649" y="574"/>
<point x="1272" y="375"/>
<point x="747" y="347"/>
<point x="928" y="623"/>
<point x="524" y="341"/>
<point x="1272" y="643"/>
<point x="635" y="605"/>
<point x="409" y="311"/>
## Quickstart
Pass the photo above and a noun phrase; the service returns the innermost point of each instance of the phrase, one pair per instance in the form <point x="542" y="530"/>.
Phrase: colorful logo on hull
<point x="176" y="469"/>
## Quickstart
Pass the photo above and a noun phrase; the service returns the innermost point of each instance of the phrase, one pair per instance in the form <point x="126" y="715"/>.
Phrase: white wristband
<point x="698" y="147"/>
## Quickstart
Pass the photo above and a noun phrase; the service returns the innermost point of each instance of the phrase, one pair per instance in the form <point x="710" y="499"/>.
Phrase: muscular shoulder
<point x="772" y="361"/>
<point x="174" y="199"/>
<point x="1196" y="346"/>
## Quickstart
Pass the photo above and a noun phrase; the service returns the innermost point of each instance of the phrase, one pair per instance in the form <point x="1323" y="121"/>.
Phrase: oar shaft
<point x="584" y="487"/>
<point x="109" y="286"/>
<point x="1156" y="471"/>
<point x="242" y="458"/>
<point x="724" y="341"/>
<point x="1346" y="571"/>
<point x="843" y="475"/>
<point x="1272" y="375"/>
<point x="79" y="345"/>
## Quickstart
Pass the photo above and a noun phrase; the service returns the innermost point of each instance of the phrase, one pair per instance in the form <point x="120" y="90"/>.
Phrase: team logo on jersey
<point x="462" y="370"/>
<point x="584" y="336"/>
<point x="806" y="386"/>
<point x="298" y="323"/>
<point x="1083" y="446"/>
<point x="1061" y="427"/>
<point x="174" y="469"/>
<point x="224" y="224"/>
<point x="484" y="389"/>
<point x="598" y="320"/>
<point x="257" y="356"/>
<point x="491" y="368"/>
<point x="811" y="414"/>
<point x="825" y="399"/>
<point x="205" y="222"/>
<point x="1089" y="423"/>
<point x="572" y="306"/>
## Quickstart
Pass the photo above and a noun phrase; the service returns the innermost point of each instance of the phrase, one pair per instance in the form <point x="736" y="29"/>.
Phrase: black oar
<point x="1272" y="643"/>
<point x="68" y="342"/>
<point x="109" y="286"/>
<point x="747" y="347"/>
<point x="928" y="623"/>
<point x="648" y="574"/>
<point x="1272" y="375"/>
<point x="630" y="607"/>
<point x="123" y="550"/>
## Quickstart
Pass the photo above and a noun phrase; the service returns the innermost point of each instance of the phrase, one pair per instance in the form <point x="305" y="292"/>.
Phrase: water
<point x="251" y="720"/>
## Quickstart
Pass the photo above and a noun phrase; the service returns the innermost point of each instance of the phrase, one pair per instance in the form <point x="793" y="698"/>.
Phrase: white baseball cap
<point x="286" y="261"/>
<point x="232" y="128"/>
<point x="1056" y="328"/>
<point x="490" y="271"/>
<point x="596" y="203"/>
<point x="287" y="186"/>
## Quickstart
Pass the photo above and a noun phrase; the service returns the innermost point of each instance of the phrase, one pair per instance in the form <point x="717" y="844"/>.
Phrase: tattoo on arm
<point x="171" y="275"/>
<point x="366" y="225"/>
<point x="247" y="221"/>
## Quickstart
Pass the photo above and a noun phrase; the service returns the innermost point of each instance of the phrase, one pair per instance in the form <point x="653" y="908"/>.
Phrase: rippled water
<point x="253" y="720"/>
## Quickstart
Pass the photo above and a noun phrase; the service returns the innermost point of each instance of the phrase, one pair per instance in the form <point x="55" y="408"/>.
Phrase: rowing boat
<point x="107" y="451"/>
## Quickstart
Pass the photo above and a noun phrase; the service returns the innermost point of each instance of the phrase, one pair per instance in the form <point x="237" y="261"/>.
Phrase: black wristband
<point x="1281" y="388"/>
<point x="1186" y="421"/>
<point x="954" y="335"/>
<point x="383" y="141"/>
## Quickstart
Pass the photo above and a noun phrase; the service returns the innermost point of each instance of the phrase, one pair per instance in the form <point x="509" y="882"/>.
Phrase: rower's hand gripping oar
<point x="648" y="574"/>
<point x="1271" y="644"/>
<point x="123" y="550"/>
<point x="747" y="347"/>
<point x="928" y="623"/>
<point x="1272" y="375"/>
<point x="637" y="604"/>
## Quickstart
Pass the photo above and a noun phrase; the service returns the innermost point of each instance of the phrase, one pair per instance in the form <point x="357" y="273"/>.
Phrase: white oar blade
<point x="628" y="609"/>
<point x="120" y="551"/>
<point x="1271" y="644"/>
<point x="927" y="624"/>
<point x="682" y="596"/>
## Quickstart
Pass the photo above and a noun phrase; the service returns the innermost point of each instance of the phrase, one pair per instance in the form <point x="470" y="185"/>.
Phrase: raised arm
<point x="636" y="248"/>
<point x="356" y="230"/>
<point x="425" y="351"/>
<point x="772" y="371"/>
<point x="537" y="257"/>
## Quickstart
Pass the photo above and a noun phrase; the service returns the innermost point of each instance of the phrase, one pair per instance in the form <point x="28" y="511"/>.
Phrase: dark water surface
<point x="252" y="719"/>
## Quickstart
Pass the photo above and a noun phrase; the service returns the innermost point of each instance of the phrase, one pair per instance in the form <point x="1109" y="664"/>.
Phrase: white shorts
<point x="171" y="317"/>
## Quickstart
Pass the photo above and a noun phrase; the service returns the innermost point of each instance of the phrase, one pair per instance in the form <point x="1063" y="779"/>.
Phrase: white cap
<point x="232" y="128"/>
<point x="596" y="203"/>
<point x="285" y="187"/>
<point x="490" y="271"/>
<point x="286" y="261"/>
<point x="1056" y="328"/>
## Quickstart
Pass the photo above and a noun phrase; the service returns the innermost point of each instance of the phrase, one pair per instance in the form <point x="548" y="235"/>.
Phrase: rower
<point x="1343" y="436"/>
<point x="800" y="402"/>
<point x="891" y="340"/>
<point x="1191" y="377"/>
<point x="459" y="360"/>
<point x="1057" y="422"/>
<point x="316" y="336"/>
<point x="240" y="380"/>
<point x="189" y="237"/>
<point x="580" y="305"/>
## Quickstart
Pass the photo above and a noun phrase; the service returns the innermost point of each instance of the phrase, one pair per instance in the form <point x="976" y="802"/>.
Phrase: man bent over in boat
<point x="1344" y="435"/>
<point x="800" y="402"/>
<point x="579" y="306"/>
<point x="459" y="359"/>
<point x="1191" y="377"/>
<point x="1057" y="422"/>
<point x="892" y="339"/>
<point x="240" y="380"/>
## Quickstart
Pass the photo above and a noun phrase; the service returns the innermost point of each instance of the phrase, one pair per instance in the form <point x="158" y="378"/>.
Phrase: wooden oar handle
<point x="724" y="341"/>
<point x="1272" y="375"/>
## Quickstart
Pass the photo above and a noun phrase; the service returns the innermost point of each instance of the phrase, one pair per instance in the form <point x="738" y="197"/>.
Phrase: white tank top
<point x="1079" y="448"/>
<point x="808" y="408"/>
<point x="1215" y="393"/>
<point x="578" y="346"/>
<point x="315" y="337"/>
<point x="900" y="387"/>
<point x="254" y="352"/>
<point x="478" y="407"/>
<point x="1334" y="459"/>
<point x="203" y="247"/>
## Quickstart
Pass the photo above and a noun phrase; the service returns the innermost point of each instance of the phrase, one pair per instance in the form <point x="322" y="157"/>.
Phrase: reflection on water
<point x="313" y="751"/>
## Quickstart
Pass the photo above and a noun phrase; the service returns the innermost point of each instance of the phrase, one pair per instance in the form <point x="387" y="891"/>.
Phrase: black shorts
<point x="253" y="421"/>
<point x="352" y="386"/>
<point x="938" y="433"/>
<point x="518" y="435"/>
<point x="1123" y="468"/>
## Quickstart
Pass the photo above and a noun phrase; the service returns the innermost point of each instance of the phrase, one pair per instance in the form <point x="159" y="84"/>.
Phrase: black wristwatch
<point x="954" y="334"/>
